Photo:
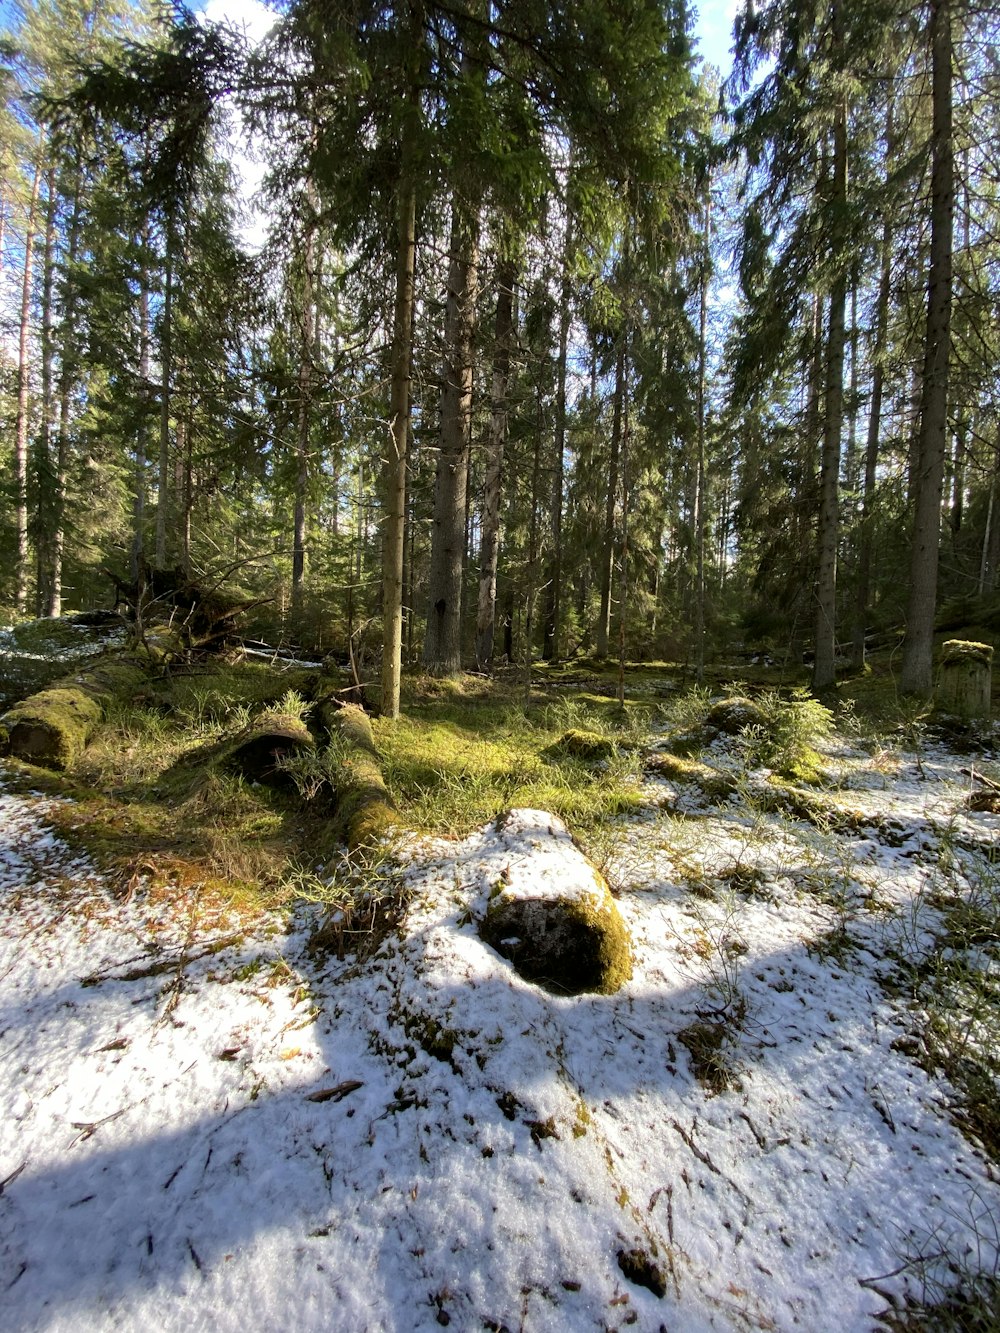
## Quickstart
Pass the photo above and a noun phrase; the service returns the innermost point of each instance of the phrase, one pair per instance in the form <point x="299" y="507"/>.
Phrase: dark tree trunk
<point x="443" y="640"/>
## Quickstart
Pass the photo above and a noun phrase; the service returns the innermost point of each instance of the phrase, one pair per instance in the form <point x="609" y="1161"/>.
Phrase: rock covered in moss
<point x="578" y="743"/>
<point x="550" y="911"/>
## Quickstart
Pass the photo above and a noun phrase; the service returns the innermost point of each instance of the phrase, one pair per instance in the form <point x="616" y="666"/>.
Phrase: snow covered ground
<point x="201" y="1127"/>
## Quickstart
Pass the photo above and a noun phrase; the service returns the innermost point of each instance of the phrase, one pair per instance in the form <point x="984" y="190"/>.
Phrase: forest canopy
<point x="554" y="346"/>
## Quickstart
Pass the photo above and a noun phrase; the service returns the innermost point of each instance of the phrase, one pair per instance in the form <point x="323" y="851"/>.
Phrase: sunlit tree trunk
<point x="24" y="405"/>
<point x="824" y="668"/>
<point x="496" y="437"/>
<point x="916" y="676"/>
<point x="603" y="634"/>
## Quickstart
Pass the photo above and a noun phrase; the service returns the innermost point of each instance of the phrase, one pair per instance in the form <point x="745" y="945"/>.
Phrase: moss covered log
<point x="52" y="727"/>
<point x="550" y="911"/>
<point x="365" y="810"/>
<point x="259" y="752"/>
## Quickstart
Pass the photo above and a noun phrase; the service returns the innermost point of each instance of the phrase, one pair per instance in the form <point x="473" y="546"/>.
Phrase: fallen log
<point x="52" y="727"/>
<point x="260" y="751"/>
<point x="365" y="810"/>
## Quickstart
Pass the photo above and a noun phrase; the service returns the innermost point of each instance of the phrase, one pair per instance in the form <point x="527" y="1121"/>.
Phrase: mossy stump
<point x="52" y="728"/>
<point x="365" y="811"/>
<point x="965" y="681"/>
<point x="551" y="913"/>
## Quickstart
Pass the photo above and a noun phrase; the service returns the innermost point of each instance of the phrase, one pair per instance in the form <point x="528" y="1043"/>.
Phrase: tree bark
<point x="553" y="600"/>
<point x="44" y="469"/>
<point x="824" y="666"/>
<point x="608" y="545"/>
<point x="443" y="639"/>
<point x="307" y="344"/>
<point x="916" y="676"/>
<point x="24" y="404"/>
<point x="166" y="373"/>
<point x="495" y="440"/>
<point x="394" y="522"/>
<point x="866" y="533"/>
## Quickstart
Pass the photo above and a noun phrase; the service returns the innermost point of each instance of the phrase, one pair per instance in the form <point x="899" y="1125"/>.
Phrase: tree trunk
<point x="824" y="668"/>
<point x="44" y="470"/>
<point x="608" y="545"/>
<point x="916" y="676"/>
<point x="166" y="372"/>
<point x="866" y="534"/>
<point x="306" y="353"/>
<point x="24" y="405"/>
<point x="137" y="553"/>
<point x="495" y="440"/>
<point x="394" y="522"/>
<point x="67" y="379"/>
<point x="699" y="504"/>
<point x="553" y="602"/>
<point x="443" y="640"/>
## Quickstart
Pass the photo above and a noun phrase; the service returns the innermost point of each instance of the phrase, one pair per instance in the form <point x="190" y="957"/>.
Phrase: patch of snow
<point x="242" y="1139"/>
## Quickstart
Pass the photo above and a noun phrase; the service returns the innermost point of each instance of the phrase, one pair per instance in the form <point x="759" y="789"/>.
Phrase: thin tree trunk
<point x="137" y="554"/>
<point x="916" y="676"/>
<point x="699" y="507"/>
<point x="44" y="467"/>
<point x="608" y="545"/>
<point x="163" y="505"/>
<point x="443" y="640"/>
<point x="866" y="533"/>
<point x="67" y="379"/>
<point x="24" y="405"/>
<point x="394" y="472"/>
<point x="306" y="353"/>
<point x="495" y="440"/>
<point x="551" y="645"/>
<point x="824" y="667"/>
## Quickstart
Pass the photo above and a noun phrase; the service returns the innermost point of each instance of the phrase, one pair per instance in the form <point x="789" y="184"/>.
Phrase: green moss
<point x="52" y="727"/>
<point x="962" y="650"/>
<point x="569" y="946"/>
<point x="589" y="746"/>
<point x="714" y="782"/>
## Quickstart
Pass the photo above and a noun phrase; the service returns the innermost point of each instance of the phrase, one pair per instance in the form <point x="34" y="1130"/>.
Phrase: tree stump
<point x="965" y="681"/>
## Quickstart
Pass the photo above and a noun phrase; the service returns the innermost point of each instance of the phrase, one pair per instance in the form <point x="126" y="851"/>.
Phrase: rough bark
<point x="603" y="634"/>
<point x="916" y="676"/>
<point x="824" y="667"/>
<point x="443" y="639"/>
<point x="23" y="406"/>
<point x="166" y="374"/>
<point x="866" y="533"/>
<point x="495" y="441"/>
<point x="551" y="646"/>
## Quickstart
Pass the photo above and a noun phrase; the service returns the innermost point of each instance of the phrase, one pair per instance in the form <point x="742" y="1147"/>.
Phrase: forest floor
<point x="787" y="1119"/>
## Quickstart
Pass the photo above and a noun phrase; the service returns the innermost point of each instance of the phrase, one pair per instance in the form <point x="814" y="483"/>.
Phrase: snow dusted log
<point x="52" y="727"/>
<point x="365" y="808"/>
<point x="965" y="682"/>
<point x="550" y="911"/>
